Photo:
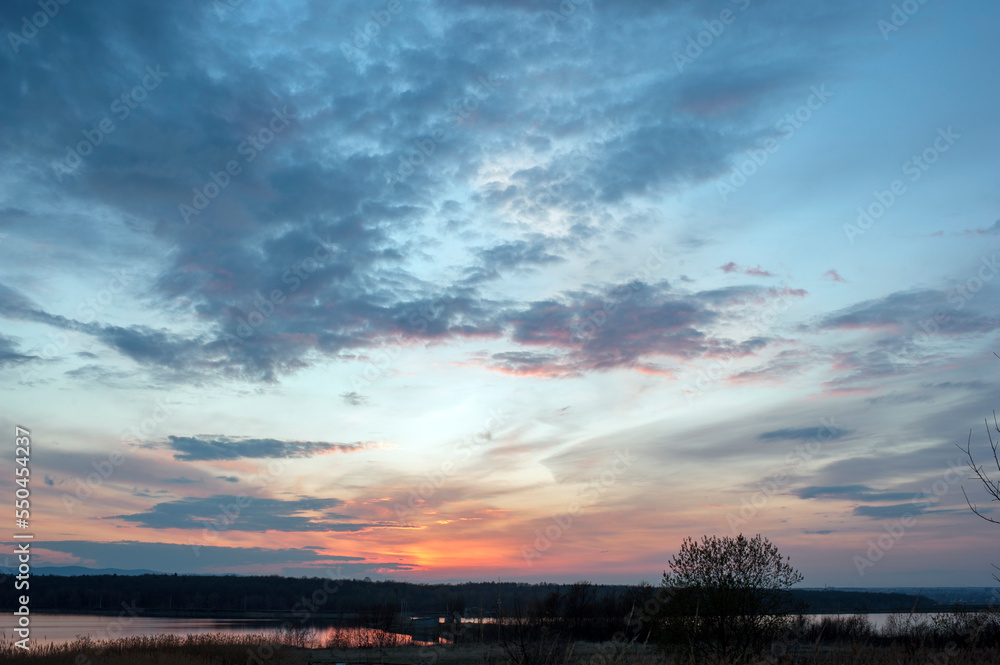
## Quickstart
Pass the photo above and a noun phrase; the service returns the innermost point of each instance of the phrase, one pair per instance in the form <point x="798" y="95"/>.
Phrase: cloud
<point x="242" y="513"/>
<point x="993" y="230"/>
<point x="353" y="398"/>
<point x="895" y="511"/>
<point x="904" y="311"/>
<point x="347" y="255"/>
<point x="181" y="558"/>
<point x="201" y="448"/>
<point x="803" y="433"/>
<point x="850" y="493"/>
<point x="755" y="271"/>
<point x="624" y="327"/>
<point x="9" y="355"/>
<point x="833" y="276"/>
<point x="519" y="255"/>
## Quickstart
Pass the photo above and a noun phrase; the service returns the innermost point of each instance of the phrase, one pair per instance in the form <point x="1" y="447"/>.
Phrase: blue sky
<point x="502" y="289"/>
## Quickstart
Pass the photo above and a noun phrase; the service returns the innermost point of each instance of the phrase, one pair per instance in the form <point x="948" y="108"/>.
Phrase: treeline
<point x="157" y="594"/>
<point x="237" y="594"/>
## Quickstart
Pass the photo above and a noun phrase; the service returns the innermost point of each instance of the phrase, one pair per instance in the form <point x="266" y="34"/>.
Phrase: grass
<point x="217" y="649"/>
<point x="225" y="650"/>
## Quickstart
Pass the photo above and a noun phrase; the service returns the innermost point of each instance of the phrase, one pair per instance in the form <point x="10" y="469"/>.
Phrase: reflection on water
<point x="62" y="628"/>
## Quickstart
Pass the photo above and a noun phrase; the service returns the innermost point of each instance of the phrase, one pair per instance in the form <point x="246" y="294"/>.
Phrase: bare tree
<point x="992" y="486"/>
<point x="729" y="594"/>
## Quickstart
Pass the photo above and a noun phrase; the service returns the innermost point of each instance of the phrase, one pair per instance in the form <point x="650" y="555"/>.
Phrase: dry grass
<point x="255" y="650"/>
<point x="156" y="650"/>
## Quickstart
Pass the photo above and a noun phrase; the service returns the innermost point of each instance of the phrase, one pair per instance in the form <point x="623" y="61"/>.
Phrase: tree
<point x="730" y="594"/>
<point x="992" y="486"/>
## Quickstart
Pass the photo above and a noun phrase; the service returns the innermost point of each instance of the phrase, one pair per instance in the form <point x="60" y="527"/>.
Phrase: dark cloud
<point x="312" y="220"/>
<point x="518" y="255"/>
<point x="626" y="326"/>
<point x="904" y="311"/>
<point x="353" y="398"/>
<point x="850" y="493"/>
<point x="895" y="511"/>
<point x="179" y="558"/>
<point x="195" y="448"/>
<point x="182" y="480"/>
<point x="803" y="433"/>
<point x="9" y="354"/>
<point x="244" y="513"/>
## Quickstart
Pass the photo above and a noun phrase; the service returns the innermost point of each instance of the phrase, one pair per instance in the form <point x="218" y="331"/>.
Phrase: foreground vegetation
<point x="957" y="638"/>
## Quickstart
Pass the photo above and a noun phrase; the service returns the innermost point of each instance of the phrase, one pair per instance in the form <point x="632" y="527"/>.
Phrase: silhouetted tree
<point x="729" y="594"/>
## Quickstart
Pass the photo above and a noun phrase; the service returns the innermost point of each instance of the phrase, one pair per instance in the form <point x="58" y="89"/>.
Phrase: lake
<point x="62" y="628"/>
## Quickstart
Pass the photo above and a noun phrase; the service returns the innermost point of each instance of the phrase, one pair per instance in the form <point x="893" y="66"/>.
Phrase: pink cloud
<point x="756" y="271"/>
<point x="729" y="267"/>
<point x="834" y="276"/>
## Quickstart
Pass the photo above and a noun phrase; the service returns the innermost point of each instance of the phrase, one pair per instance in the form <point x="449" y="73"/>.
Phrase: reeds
<point x="218" y="649"/>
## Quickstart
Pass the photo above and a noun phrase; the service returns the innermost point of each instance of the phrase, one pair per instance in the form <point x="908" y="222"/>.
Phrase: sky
<point x="519" y="290"/>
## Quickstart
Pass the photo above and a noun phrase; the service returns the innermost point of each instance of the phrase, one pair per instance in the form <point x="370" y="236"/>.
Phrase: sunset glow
<point x="506" y="291"/>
